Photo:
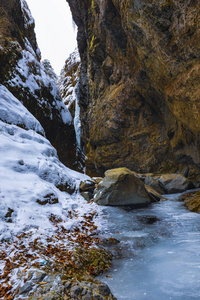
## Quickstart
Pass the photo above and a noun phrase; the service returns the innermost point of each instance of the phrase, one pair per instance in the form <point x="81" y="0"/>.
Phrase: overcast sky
<point x="55" y="32"/>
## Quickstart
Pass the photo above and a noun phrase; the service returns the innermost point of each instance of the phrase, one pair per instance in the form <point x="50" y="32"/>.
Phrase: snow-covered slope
<point x="39" y="198"/>
<point x="32" y="176"/>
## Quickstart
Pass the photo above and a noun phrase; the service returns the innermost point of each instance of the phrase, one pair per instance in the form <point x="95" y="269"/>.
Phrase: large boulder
<point x="174" y="183"/>
<point x="121" y="187"/>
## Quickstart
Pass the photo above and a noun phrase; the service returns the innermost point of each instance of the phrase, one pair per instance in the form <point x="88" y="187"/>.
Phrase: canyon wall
<point x="139" y="83"/>
<point x="26" y="78"/>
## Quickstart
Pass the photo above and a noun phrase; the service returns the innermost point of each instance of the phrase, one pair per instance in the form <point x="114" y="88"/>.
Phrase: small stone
<point x="86" y="196"/>
<point x="27" y="287"/>
<point x="76" y="290"/>
<point x="9" y="213"/>
<point x="110" y="241"/>
<point x="87" y="297"/>
<point x="84" y="291"/>
<point x="21" y="162"/>
<point x="104" y="290"/>
<point x="68" y="285"/>
<point x="38" y="277"/>
<point x="48" y="199"/>
<point x="87" y="185"/>
<point x="97" y="296"/>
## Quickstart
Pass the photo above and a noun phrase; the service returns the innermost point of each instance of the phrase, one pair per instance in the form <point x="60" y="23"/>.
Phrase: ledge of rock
<point x="192" y="201"/>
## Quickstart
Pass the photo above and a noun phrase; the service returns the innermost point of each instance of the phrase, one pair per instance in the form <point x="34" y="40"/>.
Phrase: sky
<point x="55" y="32"/>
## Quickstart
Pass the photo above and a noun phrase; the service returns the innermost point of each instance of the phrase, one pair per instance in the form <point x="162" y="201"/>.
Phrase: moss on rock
<point x="192" y="201"/>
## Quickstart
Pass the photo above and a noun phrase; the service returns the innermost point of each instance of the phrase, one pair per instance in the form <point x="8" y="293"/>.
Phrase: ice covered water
<point x="160" y="252"/>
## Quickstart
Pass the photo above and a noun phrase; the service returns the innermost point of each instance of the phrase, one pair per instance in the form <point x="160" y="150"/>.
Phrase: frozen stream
<point x="160" y="252"/>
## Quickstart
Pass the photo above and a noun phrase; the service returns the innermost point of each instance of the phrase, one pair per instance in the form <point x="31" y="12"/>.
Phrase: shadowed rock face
<point x="140" y="83"/>
<point x="22" y="73"/>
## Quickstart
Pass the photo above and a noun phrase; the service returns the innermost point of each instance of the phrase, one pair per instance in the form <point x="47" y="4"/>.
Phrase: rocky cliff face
<point x="140" y="83"/>
<point x="68" y="81"/>
<point x="26" y="78"/>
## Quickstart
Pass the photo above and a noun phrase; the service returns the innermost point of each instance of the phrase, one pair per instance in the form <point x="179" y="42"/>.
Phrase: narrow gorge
<point x="100" y="166"/>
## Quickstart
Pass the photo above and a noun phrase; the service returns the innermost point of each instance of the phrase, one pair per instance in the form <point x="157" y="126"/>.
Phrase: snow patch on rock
<point x="30" y="76"/>
<point x="13" y="112"/>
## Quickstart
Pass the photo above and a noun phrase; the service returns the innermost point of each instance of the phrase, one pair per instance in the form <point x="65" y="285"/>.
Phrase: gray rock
<point x="76" y="290"/>
<point x="174" y="183"/>
<point x="38" y="276"/>
<point x="48" y="199"/>
<point x="27" y="287"/>
<point x="121" y="187"/>
<point x="185" y="171"/>
<point x="87" y="196"/>
<point x="87" y="185"/>
<point x="96" y="296"/>
<point x="88" y="296"/>
<point x="104" y="289"/>
<point x="68" y="285"/>
<point x="97" y="179"/>
<point x="154" y="183"/>
<point x="154" y="195"/>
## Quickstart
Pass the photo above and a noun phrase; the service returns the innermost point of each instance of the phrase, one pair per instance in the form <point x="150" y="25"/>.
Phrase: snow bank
<point x="30" y="172"/>
<point x="13" y="112"/>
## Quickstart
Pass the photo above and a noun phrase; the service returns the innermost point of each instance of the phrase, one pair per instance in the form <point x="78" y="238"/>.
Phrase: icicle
<point x="77" y="121"/>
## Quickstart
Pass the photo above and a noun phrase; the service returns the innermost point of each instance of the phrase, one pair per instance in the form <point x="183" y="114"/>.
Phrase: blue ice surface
<point x="159" y="250"/>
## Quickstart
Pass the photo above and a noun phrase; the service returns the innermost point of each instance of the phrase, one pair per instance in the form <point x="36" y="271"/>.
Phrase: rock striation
<point x="139" y="84"/>
<point x="27" y="79"/>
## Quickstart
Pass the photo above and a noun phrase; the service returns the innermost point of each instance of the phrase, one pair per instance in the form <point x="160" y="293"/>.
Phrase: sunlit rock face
<point x="27" y="79"/>
<point x="140" y="83"/>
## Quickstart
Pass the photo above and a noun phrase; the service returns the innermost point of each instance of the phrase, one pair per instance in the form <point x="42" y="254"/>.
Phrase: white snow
<point x="31" y="173"/>
<point x="69" y="90"/>
<point x="66" y="83"/>
<point x="28" y="19"/>
<point x="30" y="170"/>
<point x="30" y="76"/>
<point x="13" y="112"/>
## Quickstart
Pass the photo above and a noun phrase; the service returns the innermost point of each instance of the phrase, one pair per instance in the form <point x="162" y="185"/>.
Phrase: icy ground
<point x="34" y="206"/>
<point x="160" y="252"/>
